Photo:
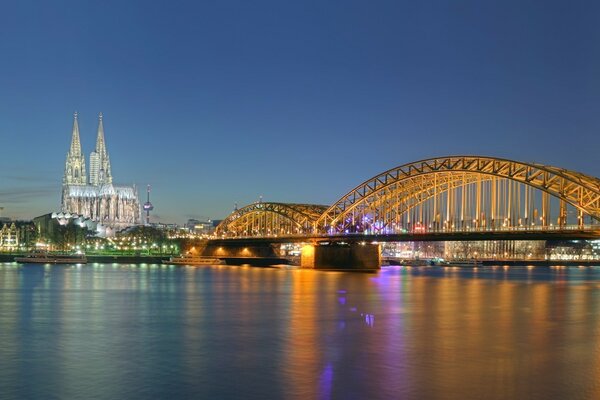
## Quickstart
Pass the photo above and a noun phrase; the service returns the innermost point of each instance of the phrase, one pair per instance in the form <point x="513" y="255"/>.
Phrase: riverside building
<point x="9" y="238"/>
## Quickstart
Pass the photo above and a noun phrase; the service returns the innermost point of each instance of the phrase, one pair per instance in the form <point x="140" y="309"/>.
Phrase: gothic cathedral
<point x="111" y="206"/>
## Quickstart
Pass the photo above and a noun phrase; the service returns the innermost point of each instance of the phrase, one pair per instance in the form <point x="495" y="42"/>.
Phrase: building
<point x="16" y="235"/>
<point x="113" y="207"/>
<point x="198" y="227"/>
<point x="58" y="230"/>
<point x="9" y="238"/>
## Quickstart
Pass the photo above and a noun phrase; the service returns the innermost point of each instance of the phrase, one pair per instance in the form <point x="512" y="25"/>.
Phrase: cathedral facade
<point x="95" y="196"/>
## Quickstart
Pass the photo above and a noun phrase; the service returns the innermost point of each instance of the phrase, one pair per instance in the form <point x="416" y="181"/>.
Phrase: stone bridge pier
<point x="239" y="252"/>
<point x="341" y="256"/>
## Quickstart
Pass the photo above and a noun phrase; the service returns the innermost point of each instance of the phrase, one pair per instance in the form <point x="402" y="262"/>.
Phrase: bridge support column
<point x="239" y="252"/>
<point x="239" y="249"/>
<point x="341" y="256"/>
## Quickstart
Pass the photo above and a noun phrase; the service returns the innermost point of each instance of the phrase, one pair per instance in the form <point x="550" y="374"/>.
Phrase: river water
<point x="108" y="331"/>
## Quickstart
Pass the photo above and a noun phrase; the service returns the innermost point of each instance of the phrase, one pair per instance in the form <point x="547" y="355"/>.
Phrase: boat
<point x="194" y="260"/>
<point x="465" y="263"/>
<point x="420" y="262"/>
<point x="48" y="258"/>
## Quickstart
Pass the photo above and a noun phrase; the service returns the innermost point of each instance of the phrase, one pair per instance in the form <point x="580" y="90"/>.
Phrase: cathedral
<point x="95" y="197"/>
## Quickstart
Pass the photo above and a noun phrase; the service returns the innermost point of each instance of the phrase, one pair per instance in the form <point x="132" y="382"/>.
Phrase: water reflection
<point x="150" y="331"/>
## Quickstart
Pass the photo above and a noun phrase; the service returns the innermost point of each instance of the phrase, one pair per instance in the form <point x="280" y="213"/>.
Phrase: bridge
<point x="445" y="198"/>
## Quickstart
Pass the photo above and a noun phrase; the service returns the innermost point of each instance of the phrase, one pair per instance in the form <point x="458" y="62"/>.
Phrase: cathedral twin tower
<point x="113" y="207"/>
<point x="99" y="163"/>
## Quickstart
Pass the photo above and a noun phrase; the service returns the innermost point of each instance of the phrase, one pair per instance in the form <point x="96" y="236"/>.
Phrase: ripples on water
<point x="110" y="331"/>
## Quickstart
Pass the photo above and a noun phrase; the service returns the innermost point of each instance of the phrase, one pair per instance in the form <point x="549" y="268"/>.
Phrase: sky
<point x="215" y="103"/>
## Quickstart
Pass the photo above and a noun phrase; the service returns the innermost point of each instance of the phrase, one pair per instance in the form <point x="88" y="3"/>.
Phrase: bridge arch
<point x="464" y="192"/>
<point x="271" y="219"/>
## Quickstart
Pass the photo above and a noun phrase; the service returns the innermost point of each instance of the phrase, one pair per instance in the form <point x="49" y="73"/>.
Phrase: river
<point x="120" y="331"/>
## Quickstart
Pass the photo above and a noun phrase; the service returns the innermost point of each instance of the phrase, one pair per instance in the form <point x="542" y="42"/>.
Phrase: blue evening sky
<point x="218" y="102"/>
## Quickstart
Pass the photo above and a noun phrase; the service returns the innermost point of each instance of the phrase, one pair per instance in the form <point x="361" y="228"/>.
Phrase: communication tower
<point x="148" y="207"/>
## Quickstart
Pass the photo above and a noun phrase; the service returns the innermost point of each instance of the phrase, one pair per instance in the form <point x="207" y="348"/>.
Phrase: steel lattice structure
<point x="446" y="194"/>
<point x="271" y="219"/>
<point x="450" y="193"/>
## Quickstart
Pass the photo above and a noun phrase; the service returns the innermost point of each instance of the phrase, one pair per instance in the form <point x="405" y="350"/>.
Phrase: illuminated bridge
<point x="446" y="198"/>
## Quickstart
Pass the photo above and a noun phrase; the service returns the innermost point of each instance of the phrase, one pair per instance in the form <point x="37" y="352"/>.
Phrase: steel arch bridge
<point x="271" y="219"/>
<point x="444" y="194"/>
<point x="465" y="192"/>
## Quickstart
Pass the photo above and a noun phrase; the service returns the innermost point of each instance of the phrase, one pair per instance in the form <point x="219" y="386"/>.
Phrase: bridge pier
<point x="341" y="256"/>
<point x="239" y="252"/>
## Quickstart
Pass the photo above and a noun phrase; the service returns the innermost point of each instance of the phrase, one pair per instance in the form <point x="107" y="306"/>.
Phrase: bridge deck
<point x="557" y="234"/>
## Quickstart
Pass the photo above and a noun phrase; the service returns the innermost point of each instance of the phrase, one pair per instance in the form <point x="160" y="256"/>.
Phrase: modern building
<point x="113" y="207"/>
<point x="58" y="230"/>
<point x="200" y="227"/>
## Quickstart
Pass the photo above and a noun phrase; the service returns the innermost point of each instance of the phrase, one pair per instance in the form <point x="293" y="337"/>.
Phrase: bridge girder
<point x="414" y="183"/>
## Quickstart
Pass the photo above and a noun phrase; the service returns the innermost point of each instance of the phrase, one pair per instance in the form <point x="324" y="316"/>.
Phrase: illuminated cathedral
<point x="95" y="197"/>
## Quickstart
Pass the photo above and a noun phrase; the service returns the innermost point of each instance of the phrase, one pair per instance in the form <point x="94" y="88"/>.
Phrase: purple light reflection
<point x="325" y="382"/>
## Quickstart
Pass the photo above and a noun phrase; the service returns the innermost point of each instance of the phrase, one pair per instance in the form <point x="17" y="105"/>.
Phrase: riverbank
<point x="491" y="263"/>
<point x="141" y="259"/>
<point x="120" y="259"/>
<point x="540" y="263"/>
<point x="268" y="261"/>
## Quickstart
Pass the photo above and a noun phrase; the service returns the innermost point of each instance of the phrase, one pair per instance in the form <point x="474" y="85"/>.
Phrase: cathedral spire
<point x="100" y="145"/>
<point x="99" y="161"/>
<point x="75" y="164"/>
<point x="75" y="142"/>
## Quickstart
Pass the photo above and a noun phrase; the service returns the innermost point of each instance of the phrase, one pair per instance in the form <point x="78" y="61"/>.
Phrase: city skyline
<point x="220" y="104"/>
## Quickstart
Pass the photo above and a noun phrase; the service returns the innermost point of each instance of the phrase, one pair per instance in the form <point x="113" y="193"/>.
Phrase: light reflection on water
<point x="124" y="331"/>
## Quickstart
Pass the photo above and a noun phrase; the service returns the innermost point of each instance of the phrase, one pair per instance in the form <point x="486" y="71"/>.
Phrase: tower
<point x="148" y="207"/>
<point x="75" y="165"/>
<point x="100" y="173"/>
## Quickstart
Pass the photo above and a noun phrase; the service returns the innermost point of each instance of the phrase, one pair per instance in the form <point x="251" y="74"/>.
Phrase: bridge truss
<point x="271" y="219"/>
<point x="465" y="193"/>
<point x="446" y="194"/>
